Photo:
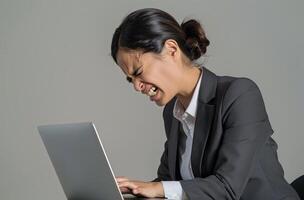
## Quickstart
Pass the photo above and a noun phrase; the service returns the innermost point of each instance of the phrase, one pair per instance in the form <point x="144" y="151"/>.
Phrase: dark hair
<point x="148" y="29"/>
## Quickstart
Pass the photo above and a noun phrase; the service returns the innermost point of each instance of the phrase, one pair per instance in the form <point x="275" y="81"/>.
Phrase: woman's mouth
<point x="152" y="92"/>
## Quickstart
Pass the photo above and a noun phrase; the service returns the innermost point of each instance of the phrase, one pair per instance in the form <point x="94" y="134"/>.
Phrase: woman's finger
<point x="125" y="190"/>
<point x="121" y="179"/>
<point x="128" y="184"/>
<point x="137" y="191"/>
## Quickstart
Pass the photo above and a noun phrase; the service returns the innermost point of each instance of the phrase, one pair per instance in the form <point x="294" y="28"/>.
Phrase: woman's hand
<point x="140" y="188"/>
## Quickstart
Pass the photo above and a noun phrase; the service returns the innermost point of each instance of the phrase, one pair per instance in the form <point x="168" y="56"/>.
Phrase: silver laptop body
<point x="80" y="161"/>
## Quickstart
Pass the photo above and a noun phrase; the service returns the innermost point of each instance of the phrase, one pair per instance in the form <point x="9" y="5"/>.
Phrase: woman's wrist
<point x="159" y="189"/>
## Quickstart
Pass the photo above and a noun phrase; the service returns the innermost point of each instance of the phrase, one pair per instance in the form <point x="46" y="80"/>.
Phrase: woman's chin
<point x="159" y="103"/>
<point x="160" y="98"/>
<point x="163" y="101"/>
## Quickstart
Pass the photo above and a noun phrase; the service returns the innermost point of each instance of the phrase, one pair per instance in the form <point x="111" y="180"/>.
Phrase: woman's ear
<point x="171" y="48"/>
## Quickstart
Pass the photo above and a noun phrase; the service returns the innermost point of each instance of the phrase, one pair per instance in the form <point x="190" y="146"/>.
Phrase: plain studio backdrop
<point x="55" y="67"/>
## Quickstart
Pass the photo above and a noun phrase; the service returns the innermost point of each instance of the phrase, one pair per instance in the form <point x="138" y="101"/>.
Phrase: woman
<point x="219" y="143"/>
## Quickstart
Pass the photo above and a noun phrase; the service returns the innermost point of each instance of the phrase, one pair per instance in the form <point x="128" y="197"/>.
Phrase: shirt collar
<point x="178" y="109"/>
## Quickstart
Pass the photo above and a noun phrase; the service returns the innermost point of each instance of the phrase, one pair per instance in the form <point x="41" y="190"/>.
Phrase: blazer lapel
<point x="201" y="133"/>
<point x="172" y="148"/>
<point x="204" y="118"/>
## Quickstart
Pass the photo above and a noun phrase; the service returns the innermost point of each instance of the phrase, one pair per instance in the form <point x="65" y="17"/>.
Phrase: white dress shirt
<point x="173" y="189"/>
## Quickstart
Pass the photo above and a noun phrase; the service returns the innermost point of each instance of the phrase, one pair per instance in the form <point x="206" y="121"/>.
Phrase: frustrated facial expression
<point x="155" y="75"/>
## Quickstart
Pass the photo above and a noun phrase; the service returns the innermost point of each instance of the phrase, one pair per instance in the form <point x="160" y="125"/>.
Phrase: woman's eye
<point x="138" y="71"/>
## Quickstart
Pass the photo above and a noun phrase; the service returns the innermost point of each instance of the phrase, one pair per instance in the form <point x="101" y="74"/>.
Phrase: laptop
<point x="80" y="162"/>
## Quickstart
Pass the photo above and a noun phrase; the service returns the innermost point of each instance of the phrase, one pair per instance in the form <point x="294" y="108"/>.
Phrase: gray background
<point x="55" y="67"/>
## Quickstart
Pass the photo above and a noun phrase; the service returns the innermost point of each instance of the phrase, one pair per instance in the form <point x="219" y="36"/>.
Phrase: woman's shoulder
<point x="240" y="95"/>
<point x="233" y="87"/>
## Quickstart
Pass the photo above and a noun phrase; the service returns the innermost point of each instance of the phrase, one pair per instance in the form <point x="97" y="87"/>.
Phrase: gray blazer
<point x="233" y="154"/>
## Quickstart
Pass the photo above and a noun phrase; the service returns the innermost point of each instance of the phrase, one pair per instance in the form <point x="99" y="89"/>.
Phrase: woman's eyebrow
<point x="129" y="79"/>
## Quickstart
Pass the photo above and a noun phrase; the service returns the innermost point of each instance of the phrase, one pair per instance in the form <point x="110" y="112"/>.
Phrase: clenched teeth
<point x="152" y="91"/>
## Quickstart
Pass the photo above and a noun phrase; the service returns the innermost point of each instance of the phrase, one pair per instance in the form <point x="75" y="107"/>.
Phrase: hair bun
<point x="195" y="37"/>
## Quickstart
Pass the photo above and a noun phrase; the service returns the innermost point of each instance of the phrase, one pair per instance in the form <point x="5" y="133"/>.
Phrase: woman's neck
<point x="188" y="83"/>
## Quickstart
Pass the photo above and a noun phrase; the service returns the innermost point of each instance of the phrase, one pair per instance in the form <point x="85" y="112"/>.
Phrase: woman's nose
<point x="138" y="85"/>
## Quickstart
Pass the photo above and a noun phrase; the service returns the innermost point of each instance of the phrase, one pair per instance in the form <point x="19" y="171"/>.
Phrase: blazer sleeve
<point x="246" y="129"/>
<point x="163" y="170"/>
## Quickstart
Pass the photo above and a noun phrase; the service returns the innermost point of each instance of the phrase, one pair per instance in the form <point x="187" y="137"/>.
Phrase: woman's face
<point x="155" y="75"/>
